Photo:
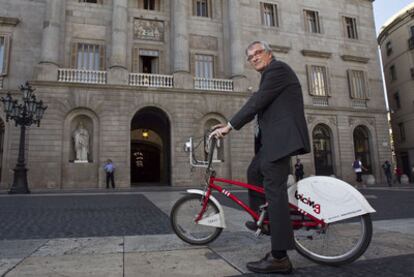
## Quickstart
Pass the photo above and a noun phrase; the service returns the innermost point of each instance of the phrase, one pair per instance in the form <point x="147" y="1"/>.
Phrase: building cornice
<point x="350" y="58"/>
<point x="12" y="21"/>
<point x="393" y="21"/>
<point x="316" y="54"/>
<point x="280" y="48"/>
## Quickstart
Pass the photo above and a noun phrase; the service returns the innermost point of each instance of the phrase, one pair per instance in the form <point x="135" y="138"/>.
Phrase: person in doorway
<point x="358" y="167"/>
<point x="109" y="169"/>
<point x="386" y="166"/>
<point x="278" y="107"/>
<point x="299" y="173"/>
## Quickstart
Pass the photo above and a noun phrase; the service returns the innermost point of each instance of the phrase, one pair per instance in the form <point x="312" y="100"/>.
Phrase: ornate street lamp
<point x="25" y="114"/>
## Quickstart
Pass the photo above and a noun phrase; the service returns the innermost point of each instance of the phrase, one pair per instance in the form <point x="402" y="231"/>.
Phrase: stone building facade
<point x="144" y="76"/>
<point x="396" y="40"/>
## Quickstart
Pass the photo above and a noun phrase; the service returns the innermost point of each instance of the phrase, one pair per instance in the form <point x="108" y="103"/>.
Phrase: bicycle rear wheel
<point x="183" y="215"/>
<point x="337" y="243"/>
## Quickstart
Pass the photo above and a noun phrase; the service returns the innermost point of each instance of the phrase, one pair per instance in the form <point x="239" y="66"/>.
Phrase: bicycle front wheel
<point x="336" y="243"/>
<point x="183" y="215"/>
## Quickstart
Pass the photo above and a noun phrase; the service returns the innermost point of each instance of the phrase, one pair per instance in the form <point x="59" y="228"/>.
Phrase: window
<point x="397" y="100"/>
<point x="269" y="14"/>
<point x="202" y="8"/>
<point x="204" y="66"/>
<point x="88" y="56"/>
<point x="393" y="73"/>
<point x="4" y="54"/>
<point x="389" y="48"/>
<point x="401" y="127"/>
<point x="312" y="21"/>
<point x="412" y="31"/>
<point x="317" y="80"/>
<point x="146" y="61"/>
<point x="351" y="27"/>
<point x="149" y="5"/>
<point x="357" y="84"/>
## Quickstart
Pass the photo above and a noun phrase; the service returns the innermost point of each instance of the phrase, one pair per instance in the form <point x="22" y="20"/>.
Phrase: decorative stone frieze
<point x="148" y="29"/>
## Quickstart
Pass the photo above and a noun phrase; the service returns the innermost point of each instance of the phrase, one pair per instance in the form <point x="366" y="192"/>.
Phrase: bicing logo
<point x="309" y="202"/>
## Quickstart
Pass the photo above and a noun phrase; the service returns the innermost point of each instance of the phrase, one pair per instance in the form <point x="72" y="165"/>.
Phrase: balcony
<point x="411" y="43"/>
<point x="359" y="103"/>
<point x="81" y="76"/>
<point x="151" y="80"/>
<point x="320" y="101"/>
<point x="213" y="84"/>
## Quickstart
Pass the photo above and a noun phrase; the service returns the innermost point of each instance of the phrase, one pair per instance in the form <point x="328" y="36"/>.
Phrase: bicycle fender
<point x="215" y="220"/>
<point x="328" y="199"/>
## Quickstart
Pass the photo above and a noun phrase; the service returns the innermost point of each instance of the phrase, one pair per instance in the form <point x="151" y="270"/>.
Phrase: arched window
<point x="362" y="146"/>
<point x="322" y="150"/>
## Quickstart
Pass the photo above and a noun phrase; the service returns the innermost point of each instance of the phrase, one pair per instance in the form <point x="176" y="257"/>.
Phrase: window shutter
<point x="262" y="12"/>
<point x="74" y="54"/>
<point x="7" y="42"/>
<point x="350" y="84"/>
<point x="275" y="16"/>
<point x="102" y="57"/>
<point x="367" y="90"/>
<point x="135" y="60"/>
<point x="327" y="82"/>
<point x="310" y="83"/>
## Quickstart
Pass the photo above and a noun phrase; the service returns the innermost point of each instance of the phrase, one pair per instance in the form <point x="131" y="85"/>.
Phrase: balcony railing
<point x="411" y="43"/>
<point x="151" y="80"/>
<point x="359" y="103"/>
<point x="213" y="84"/>
<point x="81" y="76"/>
<point x="320" y="101"/>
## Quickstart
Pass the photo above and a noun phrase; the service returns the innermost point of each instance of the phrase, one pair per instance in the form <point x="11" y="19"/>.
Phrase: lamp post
<point x="25" y="114"/>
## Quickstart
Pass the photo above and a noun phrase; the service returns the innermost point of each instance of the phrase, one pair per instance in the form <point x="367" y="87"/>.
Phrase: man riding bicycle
<point x="282" y="133"/>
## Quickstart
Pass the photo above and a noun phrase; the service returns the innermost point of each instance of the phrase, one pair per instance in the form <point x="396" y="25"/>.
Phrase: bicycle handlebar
<point x="211" y="145"/>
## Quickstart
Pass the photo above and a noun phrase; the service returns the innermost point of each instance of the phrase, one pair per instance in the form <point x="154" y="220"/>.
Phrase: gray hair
<point x="263" y="43"/>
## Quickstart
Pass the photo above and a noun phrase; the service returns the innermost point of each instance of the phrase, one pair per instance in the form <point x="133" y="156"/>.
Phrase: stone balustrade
<point x="213" y="84"/>
<point x="81" y="76"/>
<point x="151" y="80"/>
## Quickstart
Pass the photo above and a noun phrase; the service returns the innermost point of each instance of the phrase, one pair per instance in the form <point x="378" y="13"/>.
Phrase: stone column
<point x="181" y="49"/>
<point x="51" y="42"/>
<point x="118" y="73"/>
<point x="236" y="48"/>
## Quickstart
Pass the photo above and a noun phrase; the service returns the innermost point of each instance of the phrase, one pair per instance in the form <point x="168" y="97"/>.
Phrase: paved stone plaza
<point x="127" y="233"/>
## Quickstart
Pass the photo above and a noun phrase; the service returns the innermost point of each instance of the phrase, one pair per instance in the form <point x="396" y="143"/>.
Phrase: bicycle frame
<point x="309" y="221"/>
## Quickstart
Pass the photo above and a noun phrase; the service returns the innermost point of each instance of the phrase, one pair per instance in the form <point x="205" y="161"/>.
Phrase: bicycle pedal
<point x="258" y="233"/>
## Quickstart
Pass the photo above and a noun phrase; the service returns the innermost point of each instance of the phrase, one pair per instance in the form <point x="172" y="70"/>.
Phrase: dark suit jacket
<point x="279" y="106"/>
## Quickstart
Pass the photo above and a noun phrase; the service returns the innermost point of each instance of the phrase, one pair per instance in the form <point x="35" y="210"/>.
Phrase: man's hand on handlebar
<point x="220" y="130"/>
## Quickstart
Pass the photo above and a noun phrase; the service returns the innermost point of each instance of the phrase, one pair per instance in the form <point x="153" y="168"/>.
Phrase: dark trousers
<point x="359" y="177"/>
<point x="110" y="177"/>
<point x="273" y="177"/>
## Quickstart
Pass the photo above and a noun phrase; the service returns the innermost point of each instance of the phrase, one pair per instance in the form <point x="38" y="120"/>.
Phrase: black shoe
<point x="271" y="265"/>
<point x="252" y="226"/>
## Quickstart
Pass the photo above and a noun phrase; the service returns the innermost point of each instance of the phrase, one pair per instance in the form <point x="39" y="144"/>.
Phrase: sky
<point x="384" y="9"/>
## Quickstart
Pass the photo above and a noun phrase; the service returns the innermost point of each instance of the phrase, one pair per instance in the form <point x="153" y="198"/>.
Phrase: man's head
<point x="259" y="54"/>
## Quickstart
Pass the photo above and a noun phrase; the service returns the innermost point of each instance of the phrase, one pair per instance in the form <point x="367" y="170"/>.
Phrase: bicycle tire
<point x="182" y="217"/>
<point x="342" y="242"/>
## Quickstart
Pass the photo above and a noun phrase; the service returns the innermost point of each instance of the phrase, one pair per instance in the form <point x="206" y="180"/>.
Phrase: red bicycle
<point x="331" y="219"/>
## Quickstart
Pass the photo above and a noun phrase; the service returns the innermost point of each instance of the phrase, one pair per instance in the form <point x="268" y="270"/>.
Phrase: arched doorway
<point x="322" y="150"/>
<point x="362" y="147"/>
<point x="150" y="148"/>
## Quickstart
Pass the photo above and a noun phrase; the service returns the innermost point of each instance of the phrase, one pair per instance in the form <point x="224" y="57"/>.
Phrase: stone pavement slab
<point x="177" y="263"/>
<point x="108" y="265"/>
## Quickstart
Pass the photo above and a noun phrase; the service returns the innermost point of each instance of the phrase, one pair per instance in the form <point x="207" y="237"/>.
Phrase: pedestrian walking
<point x="358" y="167"/>
<point x="299" y="173"/>
<point x="386" y="166"/>
<point x="109" y="169"/>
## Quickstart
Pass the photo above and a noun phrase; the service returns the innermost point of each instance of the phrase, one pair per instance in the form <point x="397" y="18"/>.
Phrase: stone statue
<point x="81" y="141"/>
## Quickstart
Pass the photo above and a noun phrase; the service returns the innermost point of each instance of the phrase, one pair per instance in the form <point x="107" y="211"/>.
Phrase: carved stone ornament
<point x="203" y="42"/>
<point x="333" y="121"/>
<point x="310" y="119"/>
<point x="148" y="29"/>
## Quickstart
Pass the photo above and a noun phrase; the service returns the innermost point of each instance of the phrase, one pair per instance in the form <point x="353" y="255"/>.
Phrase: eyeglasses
<point x="256" y="53"/>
